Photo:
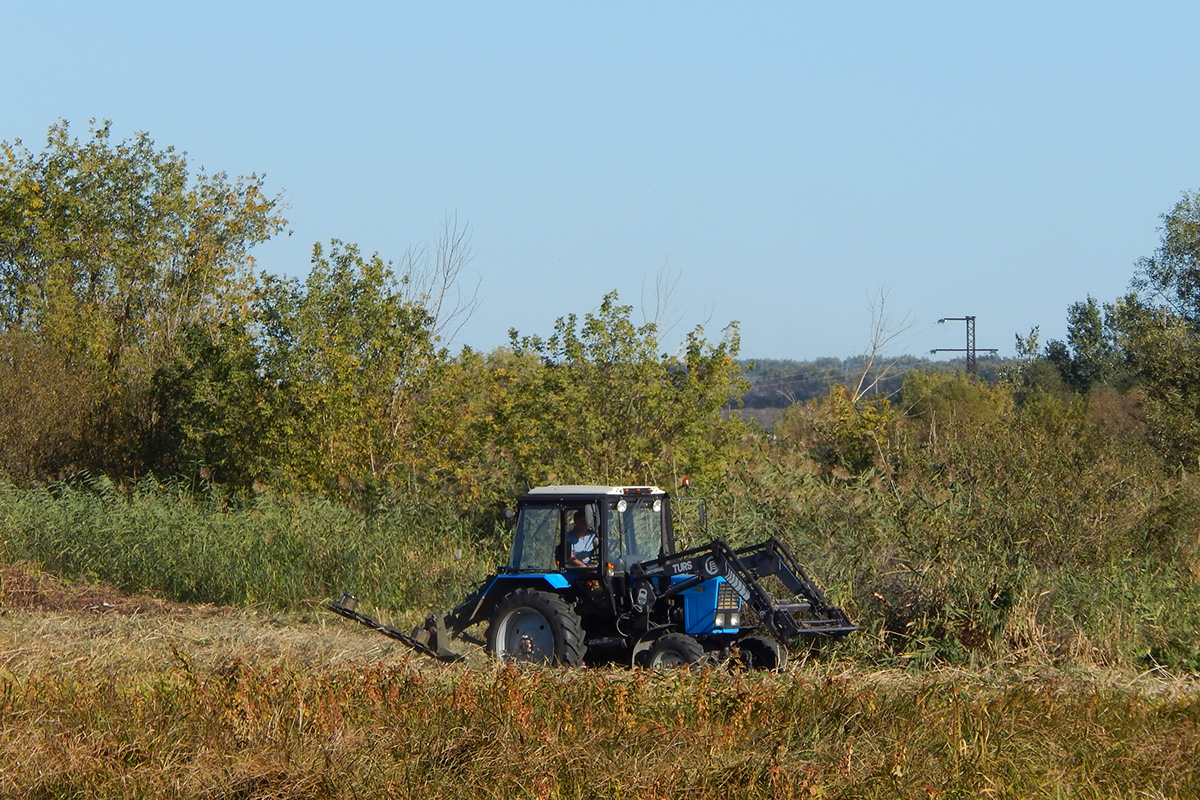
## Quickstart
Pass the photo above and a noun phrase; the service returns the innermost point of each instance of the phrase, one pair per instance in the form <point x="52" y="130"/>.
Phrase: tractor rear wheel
<point x="673" y="650"/>
<point x="531" y="626"/>
<point x="761" y="652"/>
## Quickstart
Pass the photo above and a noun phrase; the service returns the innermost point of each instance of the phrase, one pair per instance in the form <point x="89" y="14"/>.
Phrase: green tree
<point x="216" y="409"/>
<point x="1171" y="277"/>
<point x="607" y="406"/>
<point x="1158" y="329"/>
<point x="1164" y="351"/>
<point x="354" y="361"/>
<point x="108" y="252"/>
<point x="1090" y="356"/>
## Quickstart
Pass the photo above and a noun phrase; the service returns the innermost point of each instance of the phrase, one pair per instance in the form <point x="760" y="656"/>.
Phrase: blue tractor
<point x="594" y="576"/>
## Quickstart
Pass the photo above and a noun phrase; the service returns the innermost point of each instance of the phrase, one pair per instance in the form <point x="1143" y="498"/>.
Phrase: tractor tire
<point x="535" y="627"/>
<point x="762" y="652"/>
<point x="674" y="650"/>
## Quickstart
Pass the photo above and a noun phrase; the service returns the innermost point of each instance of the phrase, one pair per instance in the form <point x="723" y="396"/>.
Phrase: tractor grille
<point x="727" y="598"/>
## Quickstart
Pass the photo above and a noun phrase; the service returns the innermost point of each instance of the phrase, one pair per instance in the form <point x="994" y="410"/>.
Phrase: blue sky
<point x="786" y="161"/>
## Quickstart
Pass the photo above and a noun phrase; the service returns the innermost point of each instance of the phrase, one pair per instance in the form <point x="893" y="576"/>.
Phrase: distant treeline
<point x="777" y="383"/>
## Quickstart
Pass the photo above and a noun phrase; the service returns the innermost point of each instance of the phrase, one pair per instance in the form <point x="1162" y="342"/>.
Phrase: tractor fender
<point x="502" y="585"/>
<point x="646" y="641"/>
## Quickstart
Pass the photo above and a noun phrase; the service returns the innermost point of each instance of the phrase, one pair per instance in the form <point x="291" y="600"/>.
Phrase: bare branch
<point x="883" y="334"/>
<point x="433" y="281"/>
<point x="667" y="314"/>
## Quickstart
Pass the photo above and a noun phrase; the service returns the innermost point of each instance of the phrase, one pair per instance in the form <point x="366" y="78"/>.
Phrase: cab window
<point x="537" y="537"/>
<point x="635" y="530"/>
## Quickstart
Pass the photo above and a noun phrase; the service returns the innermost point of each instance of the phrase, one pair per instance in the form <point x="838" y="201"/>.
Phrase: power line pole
<point x="970" y="349"/>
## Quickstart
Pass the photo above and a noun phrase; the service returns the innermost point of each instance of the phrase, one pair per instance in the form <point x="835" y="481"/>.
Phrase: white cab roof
<point x="617" y="490"/>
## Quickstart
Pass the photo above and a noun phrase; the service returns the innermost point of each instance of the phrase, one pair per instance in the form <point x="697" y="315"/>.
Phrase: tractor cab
<point x="581" y="543"/>
<point x="572" y="530"/>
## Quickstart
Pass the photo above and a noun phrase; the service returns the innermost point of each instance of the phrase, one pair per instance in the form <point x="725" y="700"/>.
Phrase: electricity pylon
<point x="970" y="349"/>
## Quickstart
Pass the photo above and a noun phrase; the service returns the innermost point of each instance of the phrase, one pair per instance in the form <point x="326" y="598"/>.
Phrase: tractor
<point x="594" y="577"/>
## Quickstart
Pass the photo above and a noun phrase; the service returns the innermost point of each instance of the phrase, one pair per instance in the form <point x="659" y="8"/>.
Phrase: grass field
<point x="103" y="695"/>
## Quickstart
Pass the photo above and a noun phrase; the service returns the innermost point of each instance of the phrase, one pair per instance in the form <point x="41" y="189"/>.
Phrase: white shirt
<point x="583" y="547"/>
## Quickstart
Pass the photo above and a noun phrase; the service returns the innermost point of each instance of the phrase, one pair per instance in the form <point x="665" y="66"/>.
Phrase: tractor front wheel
<point x="536" y="627"/>
<point x="673" y="650"/>
<point x="761" y="652"/>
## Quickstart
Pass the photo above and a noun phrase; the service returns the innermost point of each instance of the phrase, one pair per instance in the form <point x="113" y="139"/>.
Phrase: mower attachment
<point x="430" y="640"/>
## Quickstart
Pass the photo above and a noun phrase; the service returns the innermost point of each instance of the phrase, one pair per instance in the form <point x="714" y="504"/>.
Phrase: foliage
<point x="841" y="435"/>
<point x="1148" y="340"/>
<point x="1144" y="345"/>
<point x="1164" y="350"/>
<point x="1090" y="357"/>
<point x="996" y="532"/>
<point x="353" y="359"/>
<point x="606" y="406"/>
<point x="1171" y="277"/>
<point x="940" y="399"/>
<point x="215" y="409"/>
<point x="49" y="405"/>
<point x="108" y="252"/>
<point x="130" y="304"/>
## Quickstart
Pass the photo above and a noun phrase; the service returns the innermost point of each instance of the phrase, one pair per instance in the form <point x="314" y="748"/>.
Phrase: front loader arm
<point x="807" y="612"/>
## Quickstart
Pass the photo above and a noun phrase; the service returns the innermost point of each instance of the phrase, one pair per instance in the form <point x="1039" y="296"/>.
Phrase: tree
<point x="1158" y="330"/>
<point x="1090" y="356"/>
<point x="353" y="360"/>
<point x="606" y="405"/>
<point x="48" y="403"/>
<point x="1171" y="277"/>
<point x="215" y="409"/>
<point x="1164" y="351"/>
<point x="109" y="251"/>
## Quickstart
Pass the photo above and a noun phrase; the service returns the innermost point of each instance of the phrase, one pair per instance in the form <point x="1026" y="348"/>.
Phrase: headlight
<point x="725" y="620"/>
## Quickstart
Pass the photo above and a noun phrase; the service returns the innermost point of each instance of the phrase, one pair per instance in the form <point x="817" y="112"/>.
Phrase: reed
<point x="205" y="547"/>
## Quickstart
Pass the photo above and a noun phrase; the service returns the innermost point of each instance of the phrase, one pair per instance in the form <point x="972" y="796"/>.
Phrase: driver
<point x="582" y="542"/>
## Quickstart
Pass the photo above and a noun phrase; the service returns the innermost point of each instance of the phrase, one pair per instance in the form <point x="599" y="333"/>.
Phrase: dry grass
<point x="176" y="702"/>
<point x="48" y="626"/>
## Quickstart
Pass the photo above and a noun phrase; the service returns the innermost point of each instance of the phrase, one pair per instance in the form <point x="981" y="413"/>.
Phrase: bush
<point x="1033" y="532"/>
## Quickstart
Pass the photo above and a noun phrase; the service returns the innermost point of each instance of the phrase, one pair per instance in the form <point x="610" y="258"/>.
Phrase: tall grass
<point x="932" y="573"/>
<point x="1037" y="536"/>
<point x="395" y="731"/>
<point x="202" y="546"/>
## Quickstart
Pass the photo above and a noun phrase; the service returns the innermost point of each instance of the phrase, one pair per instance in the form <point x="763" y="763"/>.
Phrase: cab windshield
<point x="634" y="530"/>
